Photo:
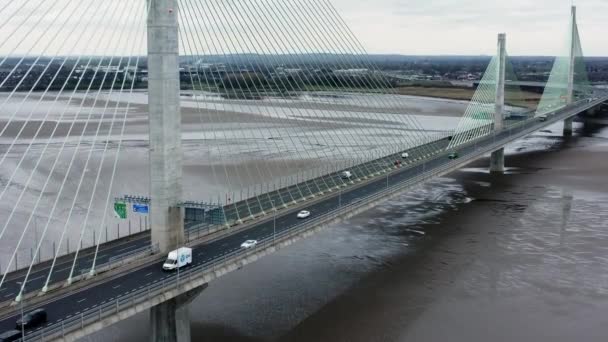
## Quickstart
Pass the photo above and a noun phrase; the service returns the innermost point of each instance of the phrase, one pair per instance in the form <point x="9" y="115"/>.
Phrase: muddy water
<point x="472" y="257"/>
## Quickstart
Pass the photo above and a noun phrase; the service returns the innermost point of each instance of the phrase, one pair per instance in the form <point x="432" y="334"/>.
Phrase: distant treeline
<point x="272" y="73"/>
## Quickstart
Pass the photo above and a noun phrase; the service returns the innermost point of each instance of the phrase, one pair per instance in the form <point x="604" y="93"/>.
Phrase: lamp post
<point x="22" y="322"/>
<point x="274" y="221"/>
<point x="387" y="179"/>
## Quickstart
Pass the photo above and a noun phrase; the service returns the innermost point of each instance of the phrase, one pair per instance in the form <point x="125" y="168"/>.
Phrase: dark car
<point x="11" y="335"/>
<point x="32" y="319"/>
<point x="453" y="155"/>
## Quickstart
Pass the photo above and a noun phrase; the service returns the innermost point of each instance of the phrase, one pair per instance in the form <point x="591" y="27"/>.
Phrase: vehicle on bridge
<point x="453" y="155"/>
<point x="249" y="244"/>
<point x="303" y="214"/>
<point x="405" y="155"/>
<point x="542" y="118"/>
<point x="31" y="319"/>
<point x="346" y="175"/>
<point x="178" y="258"/>
<point x="11" y="335"/>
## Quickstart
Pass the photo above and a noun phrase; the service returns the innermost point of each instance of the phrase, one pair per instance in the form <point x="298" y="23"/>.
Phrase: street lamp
<point x="274" y="221"/>
<point x="387" y="179"/>
<point x="22" y="325"/>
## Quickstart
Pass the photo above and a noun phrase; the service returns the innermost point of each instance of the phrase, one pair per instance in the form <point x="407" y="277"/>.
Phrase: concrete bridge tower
<point x="497" y="160"/>
<point x="169" y="321"/>
<point x="167" y="222"/>
<point x="572" y="62"/>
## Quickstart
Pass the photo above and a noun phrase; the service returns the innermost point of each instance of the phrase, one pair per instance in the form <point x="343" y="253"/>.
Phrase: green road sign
<point x="120" y="209"/>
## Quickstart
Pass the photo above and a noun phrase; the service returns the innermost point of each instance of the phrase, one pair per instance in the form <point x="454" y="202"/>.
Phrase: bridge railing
<point x="175" y="280"/>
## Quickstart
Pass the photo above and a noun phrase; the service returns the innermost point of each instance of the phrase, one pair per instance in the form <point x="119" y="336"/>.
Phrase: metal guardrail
<point x="122" y="257"/>
<point x="175" y="280"/>
<point x="112" y="263"/>
<point x="109" y="309"/>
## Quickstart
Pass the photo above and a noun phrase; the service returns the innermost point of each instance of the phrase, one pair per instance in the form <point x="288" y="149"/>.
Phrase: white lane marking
<point x="124" y="249"/>
<point x="82" y="300"/>
<point x="149" y="274"/>
<point x="115" y="287"/>
<point x="8" y="295"/>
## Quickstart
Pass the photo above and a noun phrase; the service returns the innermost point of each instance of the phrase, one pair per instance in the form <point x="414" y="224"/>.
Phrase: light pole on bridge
<point x="274" y="221"/>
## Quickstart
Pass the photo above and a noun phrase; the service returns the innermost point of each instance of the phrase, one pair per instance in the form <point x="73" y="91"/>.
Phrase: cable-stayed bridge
<point x="277" y="99"/>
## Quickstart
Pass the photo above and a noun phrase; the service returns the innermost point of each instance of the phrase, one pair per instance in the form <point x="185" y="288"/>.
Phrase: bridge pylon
<point x="574" y="37"/>
<point x="167" y="224"/>
<point x="170" y="321"/>
<point x="497" y="160"/>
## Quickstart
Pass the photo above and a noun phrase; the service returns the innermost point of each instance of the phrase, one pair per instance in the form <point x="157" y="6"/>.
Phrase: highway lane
<point x="37" y="278"/>
<point x="61" y="272"/>
<point x="89" y="298"/>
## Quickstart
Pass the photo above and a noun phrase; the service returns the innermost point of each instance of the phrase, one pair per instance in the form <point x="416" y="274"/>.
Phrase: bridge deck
<point x="63" y="310"/>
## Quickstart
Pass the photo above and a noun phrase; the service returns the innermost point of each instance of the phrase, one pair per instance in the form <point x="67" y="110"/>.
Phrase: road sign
<point x="141" y="208"/>
<point x="120" y="210"/>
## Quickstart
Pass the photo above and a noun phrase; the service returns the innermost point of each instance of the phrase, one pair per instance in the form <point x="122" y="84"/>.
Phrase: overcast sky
<point x="411" y="27"/>
<point x="421" y="27"/>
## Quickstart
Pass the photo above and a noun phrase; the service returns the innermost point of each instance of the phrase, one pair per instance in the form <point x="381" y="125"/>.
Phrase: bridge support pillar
<point x="497" y="161"/>
<point x="570" y="94"/>
<point x="167" y="223"/>
<point x="568" y="127"/>
<point x="170" y="321"/>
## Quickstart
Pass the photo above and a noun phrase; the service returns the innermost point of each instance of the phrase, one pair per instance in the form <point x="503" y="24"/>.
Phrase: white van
<point x="346" y="175"/>
<point x="178" y="259"/>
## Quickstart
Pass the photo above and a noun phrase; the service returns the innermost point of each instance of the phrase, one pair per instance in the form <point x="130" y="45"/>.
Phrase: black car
<point x="11" y="335"/>
<point x="453" y="155"/>
<point x="32" y="319"/>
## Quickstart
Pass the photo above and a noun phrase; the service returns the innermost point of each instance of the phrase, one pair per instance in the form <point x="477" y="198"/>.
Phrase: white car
<point x="405" y="155"/>
<point x="249" y="244"/>
<point x="346" y="175"/>
<point x="303" y="214"/>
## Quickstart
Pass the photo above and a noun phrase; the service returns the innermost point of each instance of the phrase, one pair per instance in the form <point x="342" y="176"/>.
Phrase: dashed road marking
<point x="82" y="300"/>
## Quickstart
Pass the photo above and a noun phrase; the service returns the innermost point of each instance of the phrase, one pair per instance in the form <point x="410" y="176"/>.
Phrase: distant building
<point x="352" y="72"/>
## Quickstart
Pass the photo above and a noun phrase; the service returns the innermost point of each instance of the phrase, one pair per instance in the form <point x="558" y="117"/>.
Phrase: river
<point x="470" y="257"/>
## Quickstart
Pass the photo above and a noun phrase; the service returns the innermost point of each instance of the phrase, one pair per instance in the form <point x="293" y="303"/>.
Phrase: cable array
<point x="277" y="99"/>
<point x="301" y="62"/>
<point x="67" y="90"/>
<point x="556" y="90"/>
